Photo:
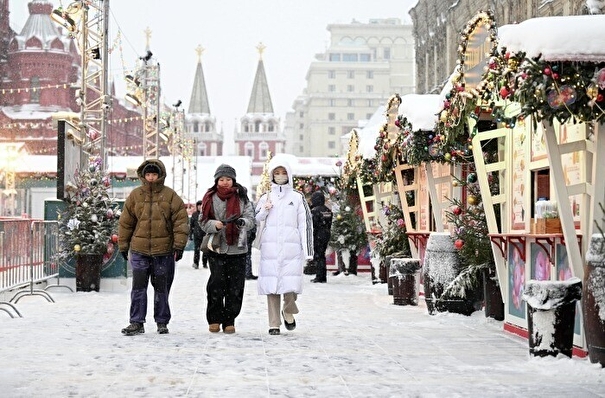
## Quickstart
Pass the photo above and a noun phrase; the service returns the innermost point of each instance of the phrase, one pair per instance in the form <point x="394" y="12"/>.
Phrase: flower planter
<point x="404" y="274"/>
<point x="88" y="272"/>
<point x="593" y="300"/>
<point x="551" y="309"/>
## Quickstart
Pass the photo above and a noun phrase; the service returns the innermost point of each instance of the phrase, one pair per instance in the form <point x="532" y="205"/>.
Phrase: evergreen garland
<point x="89" y="223"/>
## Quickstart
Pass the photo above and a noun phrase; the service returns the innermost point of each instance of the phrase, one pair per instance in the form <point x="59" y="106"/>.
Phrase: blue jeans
<point x="161" y="271"/>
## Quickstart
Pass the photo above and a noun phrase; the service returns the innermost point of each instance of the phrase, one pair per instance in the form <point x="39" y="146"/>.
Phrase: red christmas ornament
<point x="457" y="210"/>
<point x="547" y="71"/>
<point x="459" y="243"/>
<point x="114" y="238"/>
<point x="504" y="92"/>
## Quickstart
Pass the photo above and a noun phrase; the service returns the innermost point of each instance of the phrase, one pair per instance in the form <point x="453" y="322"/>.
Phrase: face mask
<point x="281" y="179"/>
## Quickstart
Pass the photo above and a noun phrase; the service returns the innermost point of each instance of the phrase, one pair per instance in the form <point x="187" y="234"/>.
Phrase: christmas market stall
<point x="545" y="85"/>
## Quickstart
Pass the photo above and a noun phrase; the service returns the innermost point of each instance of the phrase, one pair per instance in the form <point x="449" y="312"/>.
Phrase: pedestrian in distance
<point x="152" y="232"/>
<point x="227" y="211"/>
<point x="322" y="224"/>
<point x="251" y="237"/>
<point x="285" y="244"/>
<point x="196" y="234"/>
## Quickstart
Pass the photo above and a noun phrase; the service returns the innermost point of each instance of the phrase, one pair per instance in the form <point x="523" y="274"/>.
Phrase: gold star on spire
<point x="199" y="50"/>
<point x="261" y="47"/>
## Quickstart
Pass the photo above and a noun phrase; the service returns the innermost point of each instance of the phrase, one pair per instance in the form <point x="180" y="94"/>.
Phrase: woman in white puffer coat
<point x="285" y="244"/>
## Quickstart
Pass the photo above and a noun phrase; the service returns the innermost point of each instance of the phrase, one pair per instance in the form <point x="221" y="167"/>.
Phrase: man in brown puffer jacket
<point x="154" y="229"/>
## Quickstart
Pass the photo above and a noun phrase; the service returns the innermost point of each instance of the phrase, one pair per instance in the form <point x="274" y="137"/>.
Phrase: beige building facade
<point x="437" y="27"/>
<point x="363" y="66"/>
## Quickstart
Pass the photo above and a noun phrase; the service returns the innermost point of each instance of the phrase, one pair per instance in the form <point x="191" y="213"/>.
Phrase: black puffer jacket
<point x="322" y="218"/>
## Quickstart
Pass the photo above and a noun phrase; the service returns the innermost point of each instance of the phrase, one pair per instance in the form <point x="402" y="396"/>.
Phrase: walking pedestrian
<point x="322" y="224"/>
<point x="286" y="242"/>
<point x="196" y="234"/>
<point x="152" y="234"/>
<point x="227" y="211"/>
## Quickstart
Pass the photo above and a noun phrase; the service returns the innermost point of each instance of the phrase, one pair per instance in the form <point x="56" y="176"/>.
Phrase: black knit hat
<point x="151" y="168"/>
<point x="198" y="203"/>
<point x="224" y="170"/>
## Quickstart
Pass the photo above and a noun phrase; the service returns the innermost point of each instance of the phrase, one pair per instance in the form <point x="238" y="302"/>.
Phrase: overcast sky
<point x="229" y="30"/>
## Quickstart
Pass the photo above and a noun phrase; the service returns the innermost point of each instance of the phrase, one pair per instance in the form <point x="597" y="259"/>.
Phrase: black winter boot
<point x="133" y="328"/>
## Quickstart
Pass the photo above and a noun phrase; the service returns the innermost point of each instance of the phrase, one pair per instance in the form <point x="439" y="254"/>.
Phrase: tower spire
<point x="260" y="99"/>
<point x="199" y="95"/>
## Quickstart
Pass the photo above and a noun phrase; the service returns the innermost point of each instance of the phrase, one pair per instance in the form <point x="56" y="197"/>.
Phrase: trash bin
<point x="404" y="276"/>
<point x="551" y="309"/>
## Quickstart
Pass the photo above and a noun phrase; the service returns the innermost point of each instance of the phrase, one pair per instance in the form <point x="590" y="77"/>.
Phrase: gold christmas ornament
<point x="471" y="200"/>
<point x="592" y="91"/>
<point x="77" y="248"/>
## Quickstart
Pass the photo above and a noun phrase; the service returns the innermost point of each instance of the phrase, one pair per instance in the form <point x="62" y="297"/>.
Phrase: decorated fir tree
<point x="88" y="225"/>
<point x="393" y="239"/>
<point x="348" y="230"/>
<point x="471" y="234"/>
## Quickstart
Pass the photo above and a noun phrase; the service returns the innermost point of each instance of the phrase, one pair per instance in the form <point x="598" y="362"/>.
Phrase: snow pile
<point x="546" y="295"/>
<point x="421" y="110"/>
<point x="555" y="41"/>
<point x="400" y="267"/>
<point x="595" y="281"/>
<point x="441" y="260"/>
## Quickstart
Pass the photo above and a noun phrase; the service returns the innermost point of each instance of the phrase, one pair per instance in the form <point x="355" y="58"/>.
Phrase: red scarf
<point x="233" y="209"/>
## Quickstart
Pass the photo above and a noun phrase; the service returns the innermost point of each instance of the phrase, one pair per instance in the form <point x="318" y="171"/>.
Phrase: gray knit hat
<point x="224" y="170"/>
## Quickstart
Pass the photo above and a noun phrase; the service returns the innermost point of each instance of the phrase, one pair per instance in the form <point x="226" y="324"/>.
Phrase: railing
<point x="27" y="258"/>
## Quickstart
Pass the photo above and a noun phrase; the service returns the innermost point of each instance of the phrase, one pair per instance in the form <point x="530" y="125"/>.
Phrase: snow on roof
<point x="31" y="111"/>
<point x="573" y="38"/>
<point x="421" y="110"/>
<point x="311" y="166"/>
<point x="368" y="134"/>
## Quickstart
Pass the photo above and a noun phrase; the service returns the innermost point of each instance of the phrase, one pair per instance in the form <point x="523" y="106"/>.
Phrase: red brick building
<point x="39" y="75"/>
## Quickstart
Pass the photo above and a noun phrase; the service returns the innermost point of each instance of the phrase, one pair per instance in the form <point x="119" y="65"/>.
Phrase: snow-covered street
<point x="351" y="341"/>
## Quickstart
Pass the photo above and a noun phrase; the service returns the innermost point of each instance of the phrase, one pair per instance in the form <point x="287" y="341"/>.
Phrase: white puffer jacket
<point x="287" y="240"/>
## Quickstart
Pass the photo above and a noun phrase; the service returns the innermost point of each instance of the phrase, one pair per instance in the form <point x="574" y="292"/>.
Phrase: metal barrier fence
<point x="27" y="252"/>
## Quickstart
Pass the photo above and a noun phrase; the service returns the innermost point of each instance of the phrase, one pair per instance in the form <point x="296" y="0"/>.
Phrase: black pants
<point x="197" y="244"/>
<point x="319" y="258"/>
<point x="225" y="288"/>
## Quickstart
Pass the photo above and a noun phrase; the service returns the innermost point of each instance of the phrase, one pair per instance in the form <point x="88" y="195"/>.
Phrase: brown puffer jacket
<point x="154" y="220"/>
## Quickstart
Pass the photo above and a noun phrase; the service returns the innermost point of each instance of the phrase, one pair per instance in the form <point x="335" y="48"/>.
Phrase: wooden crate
<point x="548" y="226"/>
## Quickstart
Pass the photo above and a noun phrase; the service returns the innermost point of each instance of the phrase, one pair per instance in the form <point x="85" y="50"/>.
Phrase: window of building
<point x="202" y="149"/>
<point x="334" y="57"/>
<point x="350" y="102"/>
<point x="350" y="57"/>
<point x="369" y="88"/>
<point x="331" y="145"/>
<point x="331" y="74"/>
<point x="365" y="57"/>
<point x="370" y="102"/>
<point x="370" y="74"/>
<point x="301" y="126"/>
<point x="331" y="116"/>
<point x="350" y="88"/>
<point x="249" y="149"/>
<point x="263" y="150"/>
<point x="331" y="102"/>
<point x="351" y="74"/>
<point x="331" y="130"/>
<point x="34" y="93"/>
<point x="332" y="88"/>
<point x="386" y="53"/>
<point x="350" y="116"/>
<point x="301" y="114"/>
<point x="301" y="137"/>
